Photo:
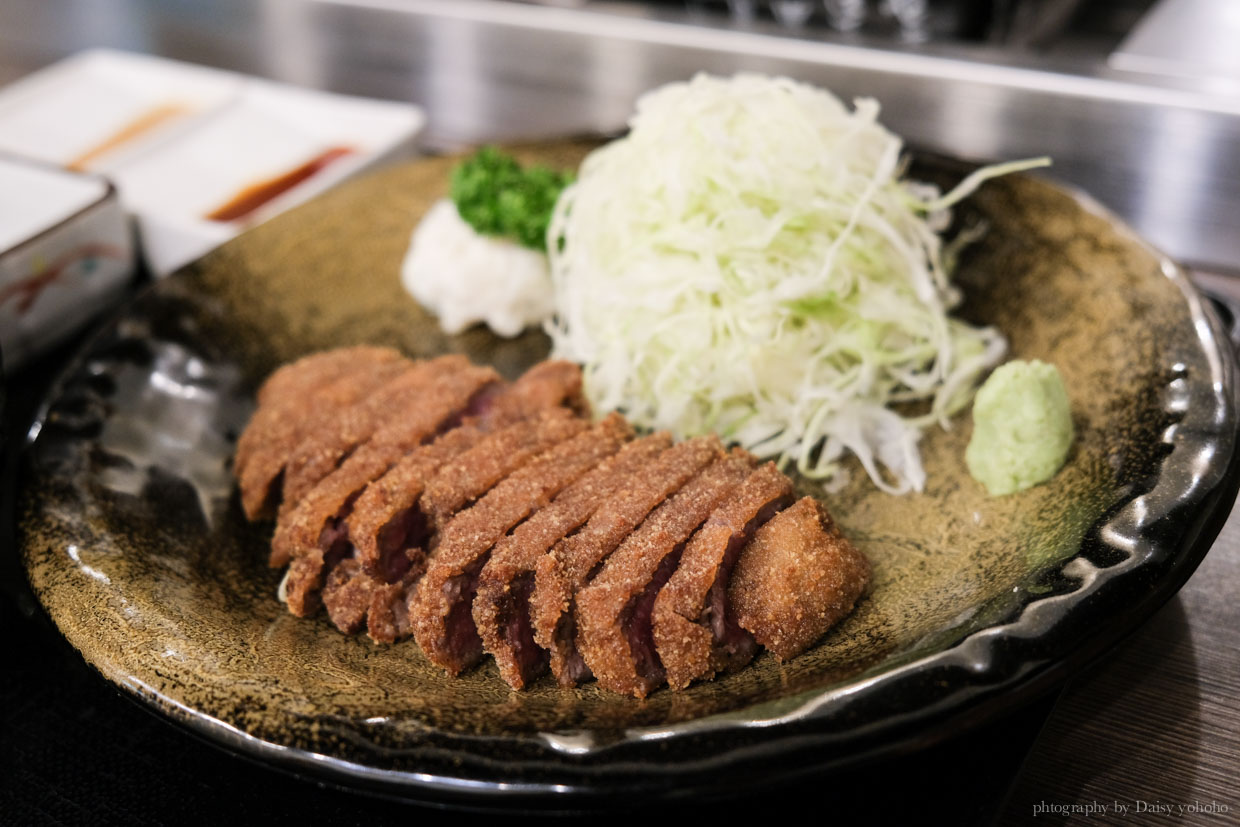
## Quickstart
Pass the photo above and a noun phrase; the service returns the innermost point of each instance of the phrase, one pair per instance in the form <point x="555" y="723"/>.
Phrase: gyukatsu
<point x="482" y="517"/>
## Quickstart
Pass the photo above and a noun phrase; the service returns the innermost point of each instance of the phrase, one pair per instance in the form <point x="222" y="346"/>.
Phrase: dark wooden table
<point x="1156" y="723"/>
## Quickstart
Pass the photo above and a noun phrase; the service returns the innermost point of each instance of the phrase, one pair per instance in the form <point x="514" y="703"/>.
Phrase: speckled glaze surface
<point x="135" y="544"/>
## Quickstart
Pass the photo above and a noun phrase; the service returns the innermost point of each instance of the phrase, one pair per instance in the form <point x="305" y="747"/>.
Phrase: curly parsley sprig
<point x="495" y="196"/>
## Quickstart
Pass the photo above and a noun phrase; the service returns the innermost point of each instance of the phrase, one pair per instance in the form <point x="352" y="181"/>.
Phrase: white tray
<point x="209" y="135"/>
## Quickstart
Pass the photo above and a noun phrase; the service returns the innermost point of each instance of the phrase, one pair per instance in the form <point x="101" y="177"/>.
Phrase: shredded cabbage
<point x="749" y="261"/>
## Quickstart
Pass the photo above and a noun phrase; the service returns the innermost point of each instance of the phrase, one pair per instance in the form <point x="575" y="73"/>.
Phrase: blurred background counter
<point x="1138" y="102"/>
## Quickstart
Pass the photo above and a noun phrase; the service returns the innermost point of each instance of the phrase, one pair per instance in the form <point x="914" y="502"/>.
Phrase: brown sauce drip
<point x="257" y="194"/>
<point x="140" y="125"/>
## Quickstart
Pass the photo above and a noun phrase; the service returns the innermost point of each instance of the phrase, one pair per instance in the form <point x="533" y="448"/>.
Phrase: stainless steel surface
<point x="1196" y="39"/>
<point x="1159" y="151"/>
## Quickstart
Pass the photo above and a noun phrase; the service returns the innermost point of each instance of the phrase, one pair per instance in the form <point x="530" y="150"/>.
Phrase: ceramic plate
<point x="134" y="542"/>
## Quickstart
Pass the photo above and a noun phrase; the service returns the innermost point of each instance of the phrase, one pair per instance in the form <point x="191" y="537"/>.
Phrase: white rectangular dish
<point x="97" y="108"/>
<point x="187" y="145"/>
<point x="269" y="149"/>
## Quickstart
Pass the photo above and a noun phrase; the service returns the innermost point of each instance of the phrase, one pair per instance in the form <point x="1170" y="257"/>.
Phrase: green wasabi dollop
<point x="1022" y="427"/>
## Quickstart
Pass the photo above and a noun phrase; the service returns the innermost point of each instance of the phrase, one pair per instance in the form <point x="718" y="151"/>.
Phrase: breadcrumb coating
<point x="441" y="609"/>
<point x="796" y="579"/>
<point x="564" y="569"/>
<point x="613" y="609"/>
<point x="501" y="606"/>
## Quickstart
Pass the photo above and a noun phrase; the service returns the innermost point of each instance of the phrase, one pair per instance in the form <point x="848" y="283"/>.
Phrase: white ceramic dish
<point x="66" y="250"/>
<point x="267" y="133"/>
<point x="180" y="141"/>
<point x="97" y="108"/>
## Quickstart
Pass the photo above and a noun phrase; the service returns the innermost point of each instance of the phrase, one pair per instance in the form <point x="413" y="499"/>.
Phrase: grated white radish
<point x="465" y="278"/>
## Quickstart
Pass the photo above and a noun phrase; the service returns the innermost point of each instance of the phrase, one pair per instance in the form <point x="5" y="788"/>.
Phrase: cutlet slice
<point x="470" y="475"/>
<point x="291" y="386"/>
<point x="501" y="605"/>
<point x="796" y="579"/>
<point x="280" y="426"/>
<point x="347" y="595"/>
<point x="316" y="530"/>
<point x="549" y="384"/>
<point x="473" y="461"/>
<point x="695" y="633"/>
<point x="613" y="609"/>
<point x="322" y="449"/>
<point x="316" y="368"/>
<point x="388" y="532"/>
<point x="564" y="569"/>
<point x="439" y="406"/>
<point x="388" y="621"/>
<point x="385" y="523"/>
<point x="442" y="622"/>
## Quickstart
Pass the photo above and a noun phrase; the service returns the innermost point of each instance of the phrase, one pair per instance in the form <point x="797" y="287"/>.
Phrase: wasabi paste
<point x="1022" y="427"/>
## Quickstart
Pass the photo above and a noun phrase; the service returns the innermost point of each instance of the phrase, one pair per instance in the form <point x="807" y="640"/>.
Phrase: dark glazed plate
<point x="134" y="542"/>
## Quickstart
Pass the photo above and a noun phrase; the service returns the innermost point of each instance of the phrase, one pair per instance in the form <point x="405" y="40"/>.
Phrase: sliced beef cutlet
<point x="314" y="533"/>
<point x="440" y="404"/>
<point x="291" y="386"/>
<point x="470" y="475"/>
<point x="331" y="441"/>
<point x="695" y="632"/>
<point x="280" y="425"/>
<point x="564" y="569"/>
<point x="501" y="606"/>
<point x="430" y="498"/>
<point x="441" y="608"/>
<point x="613" y="609"/>
<point x="475" y="462"/>
<point x="796" y="579"/>
<point x="550" y="384"/>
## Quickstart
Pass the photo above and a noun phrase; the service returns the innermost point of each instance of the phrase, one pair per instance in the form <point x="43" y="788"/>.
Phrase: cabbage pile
<point x="749" y="260"/>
